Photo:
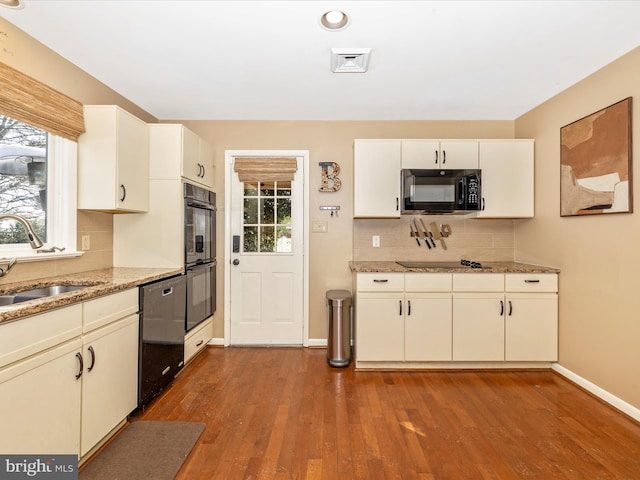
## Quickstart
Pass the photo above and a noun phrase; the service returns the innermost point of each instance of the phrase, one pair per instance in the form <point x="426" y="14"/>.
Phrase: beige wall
<point x="333" y="141"/>
<point x="598" y="255"/>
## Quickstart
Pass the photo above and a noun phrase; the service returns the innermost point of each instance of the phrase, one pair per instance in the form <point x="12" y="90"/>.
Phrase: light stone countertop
<point x="102" y="282"/>
<point x="488" y="267"/>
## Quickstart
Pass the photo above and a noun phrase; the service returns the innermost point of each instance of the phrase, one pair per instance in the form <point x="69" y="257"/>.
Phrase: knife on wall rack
<point x="414" y="234"/>
<point x="428" y="233"/>
<point x="422" y="234"/>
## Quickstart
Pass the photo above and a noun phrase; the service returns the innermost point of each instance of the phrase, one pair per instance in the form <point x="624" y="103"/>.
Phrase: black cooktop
<point x="466" y="264"/>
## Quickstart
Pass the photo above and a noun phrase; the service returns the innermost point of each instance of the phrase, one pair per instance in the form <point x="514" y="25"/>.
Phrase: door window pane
<point x="267" y="230"/>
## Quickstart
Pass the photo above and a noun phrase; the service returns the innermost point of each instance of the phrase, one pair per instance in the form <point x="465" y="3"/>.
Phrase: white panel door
<point x="267" y="261"/>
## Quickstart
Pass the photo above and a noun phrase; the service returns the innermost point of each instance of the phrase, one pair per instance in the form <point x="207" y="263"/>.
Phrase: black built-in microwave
<point x="440" y="191"/>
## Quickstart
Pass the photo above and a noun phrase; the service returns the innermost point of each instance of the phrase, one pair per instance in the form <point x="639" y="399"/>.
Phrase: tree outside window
<point x="23" y="185"/>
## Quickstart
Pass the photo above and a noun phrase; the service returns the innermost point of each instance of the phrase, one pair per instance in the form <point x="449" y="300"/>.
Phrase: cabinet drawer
<point x="380" y="282"/>
<point x="30" y="335"/>
<point x="478" y="282"/>
<point x="107" y="309"/>
<point x="531" y="282"/>
<point x="197" y="339"/>
<point x="427" y="282"/>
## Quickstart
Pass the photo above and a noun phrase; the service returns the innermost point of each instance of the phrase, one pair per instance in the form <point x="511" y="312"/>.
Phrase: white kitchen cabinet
<point x="478" y="326"/>
<point x="440" y="154"/>
<point x="462" y="317"/>
<point x="507" y="169"/>
<point x="62" y="391"/>
<point x="113" y="161"/>
<point x="40" y="402"/>
<point x="376" y="179"/>
<point x="531" y="317"/>
<point x="478" y="316"/>
<point x="176" y="151"/>
<point x="380" y="327"/>
<point x="196" y="340"/>
<point x="156" y="239"/>
<point x="428" y="327"/>
<point x="110" y="379"/>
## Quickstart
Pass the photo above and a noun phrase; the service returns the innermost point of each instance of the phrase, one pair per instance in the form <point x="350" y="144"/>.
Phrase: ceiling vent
<point x="350" y="60"/>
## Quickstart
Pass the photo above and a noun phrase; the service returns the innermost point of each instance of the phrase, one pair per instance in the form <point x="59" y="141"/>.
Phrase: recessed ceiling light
<point x="334" y="20"/>
<point x="12" y="3"/>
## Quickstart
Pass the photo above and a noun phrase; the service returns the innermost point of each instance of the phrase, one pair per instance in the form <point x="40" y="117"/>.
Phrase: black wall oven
<point x="200" y="253"/>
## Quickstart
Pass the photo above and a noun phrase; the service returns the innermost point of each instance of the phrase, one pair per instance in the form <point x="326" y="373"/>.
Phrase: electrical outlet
<point x="86" y="242"/>
<point x="319" y="226"/>
<point x="375" y="240"/>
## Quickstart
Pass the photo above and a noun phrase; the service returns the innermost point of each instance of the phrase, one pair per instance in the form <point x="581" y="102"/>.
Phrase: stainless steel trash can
<point x="339" y="340"/>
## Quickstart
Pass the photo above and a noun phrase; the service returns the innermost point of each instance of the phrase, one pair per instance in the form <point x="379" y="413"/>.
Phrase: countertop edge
<point x="102" y="282"/>
<point x="490" y="267"/>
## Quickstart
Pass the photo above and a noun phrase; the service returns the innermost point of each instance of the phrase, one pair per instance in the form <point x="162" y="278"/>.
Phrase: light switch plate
<point x="319" y="226"/>
<point x="375" y="240"/>
<point x="86" y="242"/>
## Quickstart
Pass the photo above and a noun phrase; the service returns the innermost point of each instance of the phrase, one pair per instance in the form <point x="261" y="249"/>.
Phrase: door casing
<point x="229" y="156"/>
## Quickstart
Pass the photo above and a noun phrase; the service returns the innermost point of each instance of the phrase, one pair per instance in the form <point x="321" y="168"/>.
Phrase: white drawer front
<point x="107" y="309"/>
<point x="478" y="282"/>
<point x="531" y="282"/>
<point x="27" y="336"/>
<point x="197" y="339"/>
<point x="427" y="282"/>
<point x="380" y="282"/>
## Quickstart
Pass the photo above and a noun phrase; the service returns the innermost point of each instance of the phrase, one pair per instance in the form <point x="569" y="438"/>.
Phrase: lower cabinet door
<point x="110" y="379"/>
<point x="531" y="327"/>
<point x="478" y="327"/>
<point x="428" y="328"/>
<point x="40" y="403"/>
<point x="380" y="328"/>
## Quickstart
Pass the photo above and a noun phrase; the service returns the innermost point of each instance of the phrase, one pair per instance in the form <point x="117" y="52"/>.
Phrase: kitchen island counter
<point x="100" y="282"/>
<point x="447" y="267"/>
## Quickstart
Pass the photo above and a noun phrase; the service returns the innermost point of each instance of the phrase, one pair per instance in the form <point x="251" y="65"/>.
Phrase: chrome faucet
<point x="34" y="240"/>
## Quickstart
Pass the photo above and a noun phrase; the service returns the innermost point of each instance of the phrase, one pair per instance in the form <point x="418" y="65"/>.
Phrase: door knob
<point x="236" y="261"/>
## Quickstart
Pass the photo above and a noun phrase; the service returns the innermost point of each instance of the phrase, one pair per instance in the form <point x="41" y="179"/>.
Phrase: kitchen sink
<point x="34" y="293"/>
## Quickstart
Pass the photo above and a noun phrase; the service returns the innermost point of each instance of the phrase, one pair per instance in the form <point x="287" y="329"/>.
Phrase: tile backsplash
<point x="474" y="239"/>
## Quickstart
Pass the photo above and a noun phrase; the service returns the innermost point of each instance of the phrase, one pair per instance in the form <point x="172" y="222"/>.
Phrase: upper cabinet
<point x="113" y="161"/>
<point x="178" y="152"/>
<point x="440" y="154"/>
<point x="507" y="178"/>
<point x="376" y="178"/>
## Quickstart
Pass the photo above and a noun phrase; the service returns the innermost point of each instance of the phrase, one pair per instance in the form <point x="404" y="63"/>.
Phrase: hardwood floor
<point x="284" y="413"/>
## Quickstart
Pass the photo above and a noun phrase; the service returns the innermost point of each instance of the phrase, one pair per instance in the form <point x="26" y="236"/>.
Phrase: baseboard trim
<point x="317" y="342"/>
<point x="601" y="393"/>
<point x="218" y="342"/>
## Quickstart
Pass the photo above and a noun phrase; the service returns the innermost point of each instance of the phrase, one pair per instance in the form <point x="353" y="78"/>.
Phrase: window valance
<point x="265" y="169"/>
<point x="28" y="100"/>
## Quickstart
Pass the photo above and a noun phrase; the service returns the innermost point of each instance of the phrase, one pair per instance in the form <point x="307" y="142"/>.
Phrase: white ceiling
<point x="270" y="60"/>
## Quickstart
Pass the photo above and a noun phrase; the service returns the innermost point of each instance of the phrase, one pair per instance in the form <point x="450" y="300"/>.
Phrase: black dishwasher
<point x="162" y="319"/>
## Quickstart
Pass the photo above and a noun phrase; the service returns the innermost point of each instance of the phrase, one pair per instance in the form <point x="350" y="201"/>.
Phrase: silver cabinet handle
<point x="510" y="308"/>
<point x="444" y="157"/>
<point x="501" y="308"/>
<point x="532" y="281"/>
<point x="400" y="304"/>
<point x="123" y="189"/>
<point x="408" y="307"/>
<point x="199" y="343"/>
<point x="378" y="280"/>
